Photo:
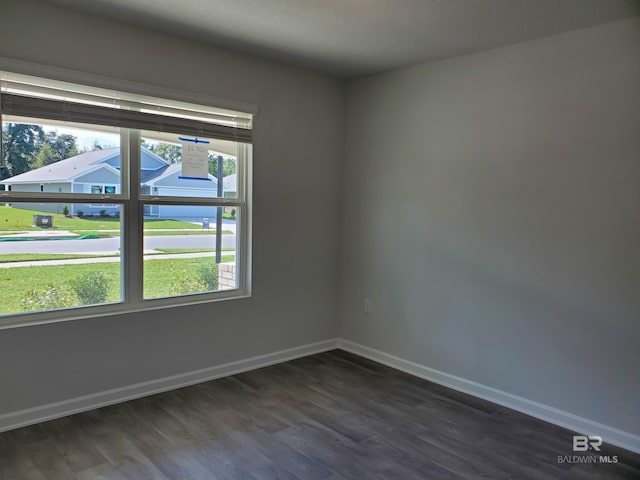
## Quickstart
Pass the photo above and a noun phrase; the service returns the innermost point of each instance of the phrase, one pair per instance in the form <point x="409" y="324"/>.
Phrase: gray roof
<point x="70" y="168"/>
<point x="171" y="177"/>
<point x="148" y="175"/>
<point x="65" y="170"/>
<point x="230" y="183"/>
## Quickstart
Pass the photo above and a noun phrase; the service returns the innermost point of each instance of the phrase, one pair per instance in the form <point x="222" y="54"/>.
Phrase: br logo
<point x="584" y="443"/>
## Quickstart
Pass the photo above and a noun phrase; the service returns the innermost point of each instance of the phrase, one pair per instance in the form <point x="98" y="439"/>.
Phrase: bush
<point x="65" y="211"/>
<point x="103" y="213"/>
<point x="182" y="284"/>
<point x="233" y="213"/>
<point x="80" y="213"/>
<point x="208" y="274"/>
<point x="91" y="288"/>
<point x="52" y="297"/>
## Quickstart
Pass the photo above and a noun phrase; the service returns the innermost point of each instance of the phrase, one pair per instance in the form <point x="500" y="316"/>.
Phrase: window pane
<point x="58" y="157"/>
<point x="58" y="255"/>
<point x="180" y="250"/>
<point x="163" y="173"/>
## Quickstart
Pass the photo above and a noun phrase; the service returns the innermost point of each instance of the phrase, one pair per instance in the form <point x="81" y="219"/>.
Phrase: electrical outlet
<point x="367" y="305"/>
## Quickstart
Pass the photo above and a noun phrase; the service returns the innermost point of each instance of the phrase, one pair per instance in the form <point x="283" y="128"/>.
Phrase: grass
<point x="185" y="250"/>
<point x="191" y="250"/>
<point x="18" y="219"/>
<point x="152" y="233"/>
<point x="33" y="257"/>
<point x="158" y="276"/>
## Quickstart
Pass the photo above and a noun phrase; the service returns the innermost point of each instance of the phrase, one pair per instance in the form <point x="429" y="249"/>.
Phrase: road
<point x="102" y="245"/>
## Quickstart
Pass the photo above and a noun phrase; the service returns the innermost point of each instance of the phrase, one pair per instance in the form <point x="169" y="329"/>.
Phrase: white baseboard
<point x="50" y="411"/>
<point x="549" y="414"/>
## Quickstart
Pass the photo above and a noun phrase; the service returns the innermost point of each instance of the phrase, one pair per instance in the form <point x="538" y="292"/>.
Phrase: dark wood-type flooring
<point x="327" y="416"/>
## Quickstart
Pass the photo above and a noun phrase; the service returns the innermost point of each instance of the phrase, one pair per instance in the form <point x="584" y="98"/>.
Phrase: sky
<point x="85" y="139"/>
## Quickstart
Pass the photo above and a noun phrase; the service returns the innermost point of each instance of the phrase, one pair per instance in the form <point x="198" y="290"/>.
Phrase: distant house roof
<point x="65" y="170"/>
<point x="71" y="168"/>
<point x="171" y="177"/>
<point x="155" y="171"/>
<point x="230" y="183"/>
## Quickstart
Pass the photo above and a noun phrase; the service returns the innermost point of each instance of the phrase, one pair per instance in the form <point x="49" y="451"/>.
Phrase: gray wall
<point x="492" y="213"/>
<point x="491" y="210"/>
<point x="298" y="137"/>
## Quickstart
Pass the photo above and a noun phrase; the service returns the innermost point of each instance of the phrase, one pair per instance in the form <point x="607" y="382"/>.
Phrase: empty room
<point x="319" y="240"/>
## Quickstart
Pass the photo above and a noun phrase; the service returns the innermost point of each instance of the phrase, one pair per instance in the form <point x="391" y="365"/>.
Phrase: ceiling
<point x="356" y="37"/>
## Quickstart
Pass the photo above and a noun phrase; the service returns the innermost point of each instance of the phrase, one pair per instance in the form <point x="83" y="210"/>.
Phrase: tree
<point x="26" y="147"/>
<point x="64" y="145"/>
<point x="45" y="156"/>
<point x="19" y="144"/>
<point x="171" y="153"/>
<point x="228" y="166"/>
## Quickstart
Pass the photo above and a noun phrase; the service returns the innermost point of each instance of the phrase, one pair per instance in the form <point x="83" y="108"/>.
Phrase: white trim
<point x="30" y="416"/>
<point x="72" y="406"/>
<point x="73" y="76"/>
<point x="547" y="413"/>
<point x="132" y="204"/>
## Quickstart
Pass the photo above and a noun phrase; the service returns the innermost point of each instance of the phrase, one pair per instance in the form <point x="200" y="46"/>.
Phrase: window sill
<point x="79" y="313"/>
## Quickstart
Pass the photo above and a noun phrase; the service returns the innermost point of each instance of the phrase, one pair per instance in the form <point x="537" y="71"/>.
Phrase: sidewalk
<point x="67" y="233"/>
<point x="40" y="234"/>
<point x="103" y="258"/>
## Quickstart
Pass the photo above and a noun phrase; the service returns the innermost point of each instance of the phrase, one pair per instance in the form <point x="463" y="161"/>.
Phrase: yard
<point x="162" y="276"/>
<point x="159" y="274"/>
<point x="15" y="220"/>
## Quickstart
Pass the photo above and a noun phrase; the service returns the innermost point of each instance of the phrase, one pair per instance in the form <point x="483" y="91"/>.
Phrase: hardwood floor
<point x="327" y="416"/>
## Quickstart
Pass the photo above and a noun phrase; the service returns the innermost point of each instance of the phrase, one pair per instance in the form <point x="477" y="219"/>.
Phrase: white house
<point x="98" y="172"/>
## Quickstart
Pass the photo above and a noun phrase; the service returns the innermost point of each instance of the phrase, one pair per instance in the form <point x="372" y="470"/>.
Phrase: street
<point x="102" y="245"/>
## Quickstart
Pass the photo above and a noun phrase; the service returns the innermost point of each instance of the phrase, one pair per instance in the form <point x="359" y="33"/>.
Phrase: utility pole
<point x="220" y="212"/>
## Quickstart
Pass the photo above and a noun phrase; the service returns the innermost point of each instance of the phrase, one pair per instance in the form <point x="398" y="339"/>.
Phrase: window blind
<point x="24" y="96"/>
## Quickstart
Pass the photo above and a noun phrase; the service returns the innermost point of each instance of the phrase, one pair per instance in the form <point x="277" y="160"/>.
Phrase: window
<point x="115" y="201"/>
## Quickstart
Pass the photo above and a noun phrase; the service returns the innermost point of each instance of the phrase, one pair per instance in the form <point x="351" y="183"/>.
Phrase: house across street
<point x="98" y="172"/>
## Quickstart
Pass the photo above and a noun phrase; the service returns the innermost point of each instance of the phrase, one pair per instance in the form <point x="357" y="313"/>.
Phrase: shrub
<point x="51" y="297"/>
<point x="182" y="284"/>
<point x="233" y="213"/>
<point x="91" y="288"/>
<point x="65" y="211"/>
<point x="103" y="213"/>
<point x="208" y="274"/>
<point x="80" y="213"/>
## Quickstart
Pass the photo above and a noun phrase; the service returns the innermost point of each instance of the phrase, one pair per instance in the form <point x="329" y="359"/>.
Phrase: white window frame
<point x="132" y="204"/>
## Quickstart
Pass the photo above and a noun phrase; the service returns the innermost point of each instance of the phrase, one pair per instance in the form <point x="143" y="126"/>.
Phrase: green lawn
<point x="152" y="233"/>
<point x="17" y="219"/>
<point x="158" y="277"/>
<point x="191" y="250"/>
<point x="33" y="257"/>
